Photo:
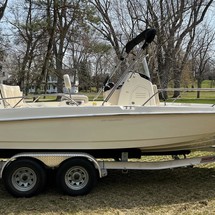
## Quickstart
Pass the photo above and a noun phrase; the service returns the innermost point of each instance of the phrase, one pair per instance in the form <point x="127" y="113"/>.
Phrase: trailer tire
<point x="24" y="177"/>
<point x="76" y="177"/>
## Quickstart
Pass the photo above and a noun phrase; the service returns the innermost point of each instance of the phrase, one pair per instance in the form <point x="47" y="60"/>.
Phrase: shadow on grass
<point x="137" y="189"/>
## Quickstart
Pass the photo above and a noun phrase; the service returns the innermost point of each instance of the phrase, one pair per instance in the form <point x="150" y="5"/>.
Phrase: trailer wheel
<point x="24" y="178"/>
<point x="76" y="177"/>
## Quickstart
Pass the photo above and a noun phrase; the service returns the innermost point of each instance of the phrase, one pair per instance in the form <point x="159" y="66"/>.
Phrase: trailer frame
<point x="79" y="179"/>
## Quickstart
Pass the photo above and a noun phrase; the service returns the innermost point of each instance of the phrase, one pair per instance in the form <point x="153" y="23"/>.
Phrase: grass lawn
<point x="190" y="97"/>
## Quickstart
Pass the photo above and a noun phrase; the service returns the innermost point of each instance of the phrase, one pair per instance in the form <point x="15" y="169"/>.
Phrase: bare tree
<point x="51" y="27"/>
<point x="29" y="31"/>
<point x="101" y="59"/>
<point x="67" y="29"/>
<point x="67" y="37"/>
<point x="175" y="22"/>
<point x="107" y="28"/>
<point x="117" y="26"/>
<point x="2" y="8"/>
<point x="69" y="22"/>
<point x="202" y="55"/>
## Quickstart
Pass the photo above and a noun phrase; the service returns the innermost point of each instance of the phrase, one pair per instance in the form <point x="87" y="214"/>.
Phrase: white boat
<point x="131" y="119"/>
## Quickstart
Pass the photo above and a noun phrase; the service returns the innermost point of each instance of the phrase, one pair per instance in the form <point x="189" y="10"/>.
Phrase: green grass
<point x="197" y="101"/>
<point x="92" y="95"/>
<point x="191" y="97"/>
<point x="208" y="84"/>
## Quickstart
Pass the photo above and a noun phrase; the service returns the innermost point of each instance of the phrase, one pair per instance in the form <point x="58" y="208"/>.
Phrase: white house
<point x="51" y="86"/>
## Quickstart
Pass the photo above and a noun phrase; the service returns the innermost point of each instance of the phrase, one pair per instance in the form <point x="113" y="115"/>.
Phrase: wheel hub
<point x="24" y="179"/>
<point x="76" y="178"/>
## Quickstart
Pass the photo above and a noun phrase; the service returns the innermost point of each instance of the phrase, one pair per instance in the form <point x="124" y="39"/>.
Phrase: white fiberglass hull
<point x="150" y="129"/>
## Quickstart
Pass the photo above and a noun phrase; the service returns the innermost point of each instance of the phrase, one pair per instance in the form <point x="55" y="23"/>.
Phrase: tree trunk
<point x="2" y="9"/>
<point x="163" y="73"/>
<point x="52" y="28"/>
<point x="177" y="83"/>
<point x="199" y="85"/>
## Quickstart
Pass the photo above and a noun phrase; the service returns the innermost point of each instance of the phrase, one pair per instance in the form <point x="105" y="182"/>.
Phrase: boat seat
<point x="14" y="95"/>
<point x="82" y="99"/>
<point x="136" y="90"/>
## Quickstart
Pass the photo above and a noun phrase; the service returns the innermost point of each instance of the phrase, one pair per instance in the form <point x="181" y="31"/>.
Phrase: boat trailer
<point x="25" y="174"/>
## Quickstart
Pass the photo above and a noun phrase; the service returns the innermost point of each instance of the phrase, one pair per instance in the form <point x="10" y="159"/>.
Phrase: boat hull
<point x="147" y="129"/>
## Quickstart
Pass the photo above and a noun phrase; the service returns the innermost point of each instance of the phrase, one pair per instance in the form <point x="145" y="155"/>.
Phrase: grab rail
<point x="181" y="90"/>
<point x="15" y="97"/>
